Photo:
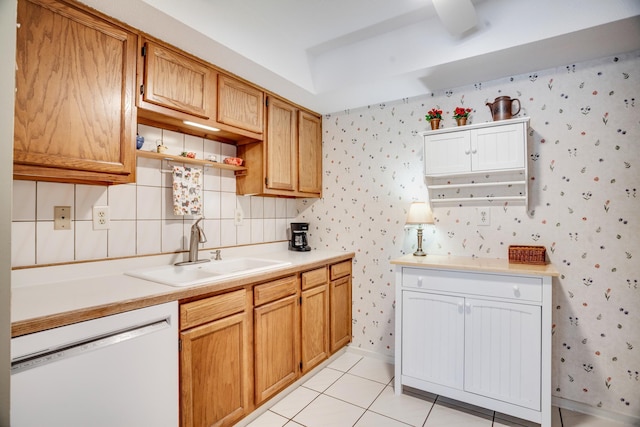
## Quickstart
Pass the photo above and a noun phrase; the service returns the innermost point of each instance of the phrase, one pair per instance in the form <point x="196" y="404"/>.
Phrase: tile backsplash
<point x="141" y="214"/>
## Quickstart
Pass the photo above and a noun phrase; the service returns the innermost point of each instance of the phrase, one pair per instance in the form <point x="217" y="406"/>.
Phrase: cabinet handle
<point x="516" y="288"/>
<point x="467" y="151"/>
<point x="420" y="281"/>
<point x="474" y="151"/>
<point x="468" y="307"/>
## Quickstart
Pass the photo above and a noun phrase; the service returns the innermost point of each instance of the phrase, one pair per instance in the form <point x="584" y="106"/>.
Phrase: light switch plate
<point x="62" y="217"/>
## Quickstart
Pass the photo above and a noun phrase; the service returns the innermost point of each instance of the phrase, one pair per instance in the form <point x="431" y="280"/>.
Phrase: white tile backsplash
<point x="24" y="201"/>
<point x="50" y="194"/>
<point x="228" y="233"/>
<point x="23" y="243"/>
<point x="90" y="243"/>
<point x="122" y="202"/>
<point x="54" y="245"/>
<point x="122" y="239"/>
<point x="149" y="203"/>
<point x="88" y="196"/>
<point x="142" y="219"/>
<point x="227" y="181"/>
<point x="148" y="237"/>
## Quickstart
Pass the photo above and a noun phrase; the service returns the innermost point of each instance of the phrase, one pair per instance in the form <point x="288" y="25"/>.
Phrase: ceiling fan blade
<point x="457" y="16"/>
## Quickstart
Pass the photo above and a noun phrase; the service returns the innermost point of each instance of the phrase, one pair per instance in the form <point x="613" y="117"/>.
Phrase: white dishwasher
<point x="119" y="370"/>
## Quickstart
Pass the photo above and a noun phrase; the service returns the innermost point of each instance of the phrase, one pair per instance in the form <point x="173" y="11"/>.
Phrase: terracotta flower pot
<point x="435" y="124"/>
<point x="461" y="121"/>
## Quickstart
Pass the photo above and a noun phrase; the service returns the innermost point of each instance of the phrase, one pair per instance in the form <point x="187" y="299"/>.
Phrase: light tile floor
<point x="357" y="391"/>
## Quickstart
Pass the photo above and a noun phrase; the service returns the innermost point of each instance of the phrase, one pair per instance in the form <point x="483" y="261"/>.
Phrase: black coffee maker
<point x="298" y="241"/>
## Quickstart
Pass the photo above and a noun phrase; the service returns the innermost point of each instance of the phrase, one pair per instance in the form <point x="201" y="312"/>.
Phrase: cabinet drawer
<point x="272" y="291"/>
<point x="208" y="309"/>
<point x="480" y="284"/>
<point x="314" y="278"/>
<point x="341" y="269"/>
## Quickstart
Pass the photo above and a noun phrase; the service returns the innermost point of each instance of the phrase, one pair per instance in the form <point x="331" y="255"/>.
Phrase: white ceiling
<point x="331" y="55"/>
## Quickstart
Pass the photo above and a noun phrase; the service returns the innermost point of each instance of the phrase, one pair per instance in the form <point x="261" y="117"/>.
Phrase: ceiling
<point x="331" y="55"/>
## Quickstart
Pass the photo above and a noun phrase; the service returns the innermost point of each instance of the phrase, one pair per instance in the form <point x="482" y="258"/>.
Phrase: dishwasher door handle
<point x="44" y="357"/>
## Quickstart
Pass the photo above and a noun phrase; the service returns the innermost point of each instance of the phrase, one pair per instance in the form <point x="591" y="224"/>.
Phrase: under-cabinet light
<point x="198" y="125"/>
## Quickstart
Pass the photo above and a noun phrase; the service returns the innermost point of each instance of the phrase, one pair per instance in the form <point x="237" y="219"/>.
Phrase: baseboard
<point x="368" y="353"/>
<point x="572" y="405"/>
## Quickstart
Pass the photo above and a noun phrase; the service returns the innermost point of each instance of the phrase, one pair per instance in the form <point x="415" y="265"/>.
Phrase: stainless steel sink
<point x="210" y="272"/>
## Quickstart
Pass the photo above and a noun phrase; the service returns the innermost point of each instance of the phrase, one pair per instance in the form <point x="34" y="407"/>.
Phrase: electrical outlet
<point x="62" y="217"/>
<point x="484" y="216"/>
<point x="239" y="217"/>
<point x="101" y="217"/>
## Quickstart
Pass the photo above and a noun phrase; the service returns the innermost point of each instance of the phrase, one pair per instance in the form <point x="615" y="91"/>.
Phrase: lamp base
<point x="419" y="251"/>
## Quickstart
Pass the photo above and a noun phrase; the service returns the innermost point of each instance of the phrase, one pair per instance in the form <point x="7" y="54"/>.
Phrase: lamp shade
<point x="420" y="213"/>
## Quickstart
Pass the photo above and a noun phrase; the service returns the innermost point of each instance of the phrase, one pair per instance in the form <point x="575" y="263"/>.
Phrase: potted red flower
<point x="461" y="114"/>
<point x="434" y="116"/>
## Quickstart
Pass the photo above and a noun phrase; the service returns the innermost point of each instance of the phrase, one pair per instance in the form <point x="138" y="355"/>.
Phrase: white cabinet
<point x="485" y="162"/>
<point x="430" y="318"/>
<point x="480" y="337"/>
<point x="502" y="351"/>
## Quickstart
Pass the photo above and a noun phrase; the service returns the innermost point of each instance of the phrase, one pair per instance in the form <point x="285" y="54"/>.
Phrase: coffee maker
<point x="298" y="241"/>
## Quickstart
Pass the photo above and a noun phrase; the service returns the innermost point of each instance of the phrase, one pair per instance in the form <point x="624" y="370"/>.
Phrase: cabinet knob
<point x="474" y="151"/>
<point x="516" y="288"/>
<point x="420" y="281"/>
<point x="467" y="151"/>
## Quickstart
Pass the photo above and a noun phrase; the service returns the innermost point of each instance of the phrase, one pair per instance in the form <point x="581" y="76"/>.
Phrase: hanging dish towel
<point x="187" y="191"/>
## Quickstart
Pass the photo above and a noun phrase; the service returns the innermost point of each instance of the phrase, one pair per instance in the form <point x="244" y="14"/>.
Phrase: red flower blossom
<point x="434" y="113"/>
<point x="461" y="112"/>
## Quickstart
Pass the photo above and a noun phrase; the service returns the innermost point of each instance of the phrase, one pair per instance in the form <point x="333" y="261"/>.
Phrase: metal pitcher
<point x="501" y="108"/>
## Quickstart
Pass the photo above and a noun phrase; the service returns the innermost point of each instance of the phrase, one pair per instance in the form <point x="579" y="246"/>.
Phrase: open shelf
<point x="239" y="170"/>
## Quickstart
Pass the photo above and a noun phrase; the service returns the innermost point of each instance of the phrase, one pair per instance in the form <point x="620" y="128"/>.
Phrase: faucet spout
<point x="196" y="237"/>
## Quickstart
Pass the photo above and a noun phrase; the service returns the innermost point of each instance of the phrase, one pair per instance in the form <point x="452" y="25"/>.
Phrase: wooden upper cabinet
<point x="309" y="153"/>
<point x="75" y="83"/>
<point x="289" y="160"/>
<point x="177" y="82"/>
<point x="240" y="104"/>
<point x="281" y="146"/>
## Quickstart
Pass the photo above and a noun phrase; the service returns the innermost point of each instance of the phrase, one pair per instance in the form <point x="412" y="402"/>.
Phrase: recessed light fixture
<point x="198" y="125"/>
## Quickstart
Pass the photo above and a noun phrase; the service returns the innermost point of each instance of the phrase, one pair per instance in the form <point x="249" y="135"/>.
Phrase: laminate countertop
<point x="48" y="297"/>
<point x="489" y="265"/>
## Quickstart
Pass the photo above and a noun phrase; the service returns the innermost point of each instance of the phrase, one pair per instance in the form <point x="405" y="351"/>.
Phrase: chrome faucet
<point x="196" y="237"/>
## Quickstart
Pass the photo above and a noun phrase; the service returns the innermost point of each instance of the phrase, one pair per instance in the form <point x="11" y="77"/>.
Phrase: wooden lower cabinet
<point x="216" y="371"/>
<point x="242" y="347"/>
<point x="314" y="320"/>
<point x="276" y="346"/>
<point x="340" y="292"/>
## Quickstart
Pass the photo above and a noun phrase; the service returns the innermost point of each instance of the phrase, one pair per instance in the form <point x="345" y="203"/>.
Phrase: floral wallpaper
<point x="584" y="184"/>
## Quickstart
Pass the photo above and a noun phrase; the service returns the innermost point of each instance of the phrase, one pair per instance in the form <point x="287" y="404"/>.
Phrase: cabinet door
<point x="177" y="82"/>
<point x="503" y="351"/>
<point x="447" y="153"/>
<point x="433" y="338"/>
<point x="499" y="147"/>
<point x="240" y="104"/>
<point x="314" y="313"/>
<point x="340" y="313"/>
<point x="215" y="378"/>
<point x="276" y="329"/>
<point x="309" y="153"/>
<point x="75" y="82"/>
<point x="281" y="146"/>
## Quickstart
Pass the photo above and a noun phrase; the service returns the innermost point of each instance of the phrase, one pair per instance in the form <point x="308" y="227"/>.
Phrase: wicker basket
<point x="527" y="254"/>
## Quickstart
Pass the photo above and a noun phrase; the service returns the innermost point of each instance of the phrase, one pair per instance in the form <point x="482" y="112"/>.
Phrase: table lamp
<point x="419" y="213"/>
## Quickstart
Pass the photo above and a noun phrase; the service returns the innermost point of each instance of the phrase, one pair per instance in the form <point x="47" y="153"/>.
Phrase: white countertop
<point x="47" y="297"/>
